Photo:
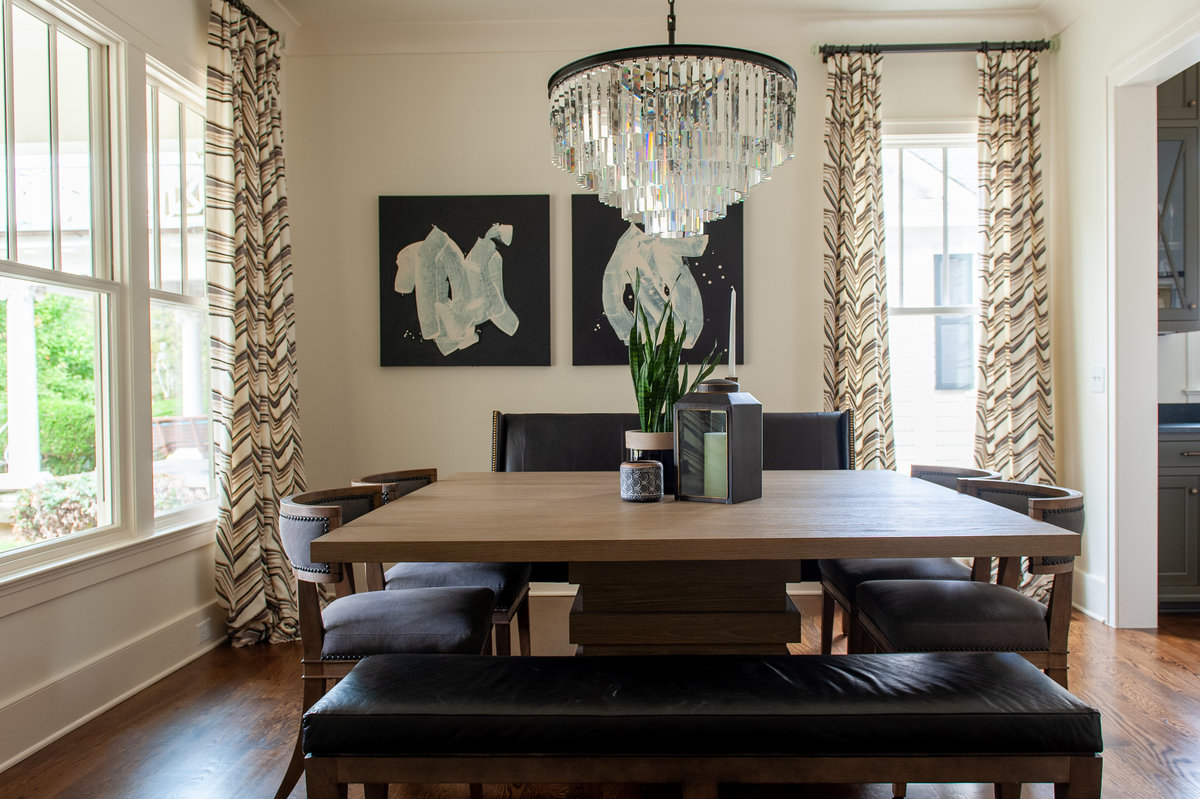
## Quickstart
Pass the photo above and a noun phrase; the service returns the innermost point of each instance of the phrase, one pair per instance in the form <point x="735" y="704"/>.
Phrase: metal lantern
<point x="718" y="444"/>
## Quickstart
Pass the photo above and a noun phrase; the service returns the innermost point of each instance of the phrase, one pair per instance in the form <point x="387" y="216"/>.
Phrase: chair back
<point x="948" y="476"/>
<point x="398" y="483"/>
<point x="305" y="517"/>
<point x="1062" y="507"/>
<point x="559" y="442"/>
<point x="812" y="440"/>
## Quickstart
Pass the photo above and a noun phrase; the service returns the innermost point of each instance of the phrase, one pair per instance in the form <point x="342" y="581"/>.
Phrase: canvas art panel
<point x="695" y="274"/>
<point x="464" y="280"/>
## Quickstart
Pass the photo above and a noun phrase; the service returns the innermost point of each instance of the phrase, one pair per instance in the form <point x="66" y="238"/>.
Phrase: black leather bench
<point x="702" y="720"/>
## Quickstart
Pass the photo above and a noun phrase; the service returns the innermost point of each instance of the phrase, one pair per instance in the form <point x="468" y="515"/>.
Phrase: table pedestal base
<point x="687" y="607"/>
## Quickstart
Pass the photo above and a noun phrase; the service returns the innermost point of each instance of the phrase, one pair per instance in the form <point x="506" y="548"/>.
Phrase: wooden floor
<point x="223" y="727"/>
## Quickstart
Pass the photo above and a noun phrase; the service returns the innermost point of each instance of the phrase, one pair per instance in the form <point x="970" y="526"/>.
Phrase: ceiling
<point x="317" y="12"/>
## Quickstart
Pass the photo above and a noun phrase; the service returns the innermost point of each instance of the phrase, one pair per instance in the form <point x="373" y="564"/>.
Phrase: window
<point x="182" y="439"/>
<point x="56" y="291"/>
<point x="931" y="214"/>
<point x="93" y="360"/>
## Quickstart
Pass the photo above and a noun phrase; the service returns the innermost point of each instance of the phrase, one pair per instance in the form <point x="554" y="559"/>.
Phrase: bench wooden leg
<point x="827" y="609"/>
<point x="899" y="790"/>
<point x="476" y="790"/>
<point x="375" y="791"/>
<point x="699" y="790"/>
<point x="1008" y="790"/>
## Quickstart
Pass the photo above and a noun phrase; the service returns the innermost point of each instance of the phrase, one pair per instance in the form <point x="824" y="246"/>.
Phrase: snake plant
<point x="654" y="365"/>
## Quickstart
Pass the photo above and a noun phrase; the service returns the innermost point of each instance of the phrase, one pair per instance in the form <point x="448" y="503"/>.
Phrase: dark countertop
<point x="1178" y="413"/>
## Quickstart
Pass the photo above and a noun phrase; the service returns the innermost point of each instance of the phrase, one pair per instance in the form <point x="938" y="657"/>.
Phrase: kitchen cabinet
<point x="1178" y="205"/>
<point x="1179" y="518"/>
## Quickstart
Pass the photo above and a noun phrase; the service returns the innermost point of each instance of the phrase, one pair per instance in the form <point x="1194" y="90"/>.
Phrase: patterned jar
<point x="641" y="481"/>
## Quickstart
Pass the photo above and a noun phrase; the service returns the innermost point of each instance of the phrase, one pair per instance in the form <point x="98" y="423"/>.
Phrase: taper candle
<point x="733" y="332"/>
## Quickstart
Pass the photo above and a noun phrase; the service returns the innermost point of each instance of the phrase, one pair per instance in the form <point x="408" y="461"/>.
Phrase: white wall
<point x="1101" y="321"/>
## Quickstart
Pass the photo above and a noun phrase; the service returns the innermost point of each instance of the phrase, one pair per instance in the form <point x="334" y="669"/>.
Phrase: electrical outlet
<point x="204" y="632"/>
<point x="1097" y="379"/>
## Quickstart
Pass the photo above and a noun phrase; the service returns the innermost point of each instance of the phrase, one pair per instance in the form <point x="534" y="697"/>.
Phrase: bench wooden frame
<point x="1074" y="776"/>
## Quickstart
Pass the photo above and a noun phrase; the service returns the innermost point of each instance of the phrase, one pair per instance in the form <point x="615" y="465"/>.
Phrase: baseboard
<point x="1091" y="595"/>
<point x="58" y="706"/>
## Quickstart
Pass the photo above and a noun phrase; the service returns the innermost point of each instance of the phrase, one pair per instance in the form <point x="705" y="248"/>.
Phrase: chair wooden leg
<point x="320" y="781"/>
<point x="899" y="790"/>
<point x="1008" y="790"/>
<point x="827" y="609"/>
<point x="523" y="629"/>
<point x="503" y="636"/>
<point x="314" y="689"/>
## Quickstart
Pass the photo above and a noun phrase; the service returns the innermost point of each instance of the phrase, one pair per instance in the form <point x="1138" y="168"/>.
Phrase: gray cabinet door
<point x="1177" y="98"/>
<point x="1178" y="228"/>
<point x="1178" y="532"/>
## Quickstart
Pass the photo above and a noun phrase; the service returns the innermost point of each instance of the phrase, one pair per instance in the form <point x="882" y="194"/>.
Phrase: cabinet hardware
<point x="1189" y="454"/>
<point x="1192" y="306"/>
<point x="1194" y="490"/>
<point x="1191" y="103"/>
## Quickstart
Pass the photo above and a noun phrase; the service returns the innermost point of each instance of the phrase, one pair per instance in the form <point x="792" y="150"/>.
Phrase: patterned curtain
<point x="857" y="372"/>
<point x="1013" y="427"/>
<point x="252" y="323"/>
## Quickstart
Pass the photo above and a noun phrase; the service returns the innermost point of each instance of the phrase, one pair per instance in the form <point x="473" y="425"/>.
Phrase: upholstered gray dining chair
<point x="354" y="625"/>
<point x="974" y="615"/>
<point x="840" y="577"/>
<point x="508" y="581"/>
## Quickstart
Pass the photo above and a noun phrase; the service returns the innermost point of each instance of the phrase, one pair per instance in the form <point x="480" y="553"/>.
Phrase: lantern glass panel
<point x="703" y="453"/>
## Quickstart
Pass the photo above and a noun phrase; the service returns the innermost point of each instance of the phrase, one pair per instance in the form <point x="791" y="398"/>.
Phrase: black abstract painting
<point x="695" y="274"/>
<point x="464" y="281"/>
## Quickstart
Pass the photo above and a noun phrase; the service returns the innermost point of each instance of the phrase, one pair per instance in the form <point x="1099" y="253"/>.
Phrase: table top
<point x="580" y="516"/>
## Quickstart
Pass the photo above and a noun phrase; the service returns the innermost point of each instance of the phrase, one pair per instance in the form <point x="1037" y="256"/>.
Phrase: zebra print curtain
<point x="1014" y="431"/>
<point x="857" y="371"/>
<point x="257" y="440"/>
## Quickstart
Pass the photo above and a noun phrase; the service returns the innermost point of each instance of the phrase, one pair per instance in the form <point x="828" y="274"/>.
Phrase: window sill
<point x="45" y="583"/>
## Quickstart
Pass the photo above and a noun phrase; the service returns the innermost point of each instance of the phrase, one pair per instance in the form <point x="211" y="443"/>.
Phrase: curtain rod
<point x="245" y="9"/>
<point x="827" y="50"/>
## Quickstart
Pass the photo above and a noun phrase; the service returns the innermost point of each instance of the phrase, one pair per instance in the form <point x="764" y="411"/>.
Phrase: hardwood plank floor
<point x="223" y="727"/>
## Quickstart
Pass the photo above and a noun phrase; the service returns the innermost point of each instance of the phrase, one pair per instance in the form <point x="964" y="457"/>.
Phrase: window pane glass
<point x="932" y="355"/>
<point x="49" y="417"/>
<point x="170" y="196"/>
<point x="194" y="202"/>
<point x="151" y="160"/>
<point x="75" y="155"/>
<point x="181" y="430"/>
<point x="31" y="110"/>
<point x="921" y="194"/>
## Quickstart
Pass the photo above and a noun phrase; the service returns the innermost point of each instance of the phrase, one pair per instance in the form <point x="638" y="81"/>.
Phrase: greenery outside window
<point x="181" y="425"/>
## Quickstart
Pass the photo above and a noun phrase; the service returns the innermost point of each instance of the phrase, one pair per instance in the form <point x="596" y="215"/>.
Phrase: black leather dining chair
<point x="976" y="615"/>
<point x="508" y="581"/>
<point x="840" y="577"/>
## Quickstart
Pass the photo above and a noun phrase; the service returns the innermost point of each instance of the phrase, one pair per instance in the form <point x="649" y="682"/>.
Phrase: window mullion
<point x="55" y="167"/>
<point x="182" y="150"/>
<point x="900" y="194"/>
<point x="10" y="136"/>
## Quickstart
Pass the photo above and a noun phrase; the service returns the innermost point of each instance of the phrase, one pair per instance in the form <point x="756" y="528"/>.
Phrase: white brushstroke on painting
<point x="657" y="265"/>
<point x="455" y="293"/>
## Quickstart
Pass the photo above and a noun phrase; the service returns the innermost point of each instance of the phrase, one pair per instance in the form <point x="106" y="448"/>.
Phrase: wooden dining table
<point x="685" y="577"/>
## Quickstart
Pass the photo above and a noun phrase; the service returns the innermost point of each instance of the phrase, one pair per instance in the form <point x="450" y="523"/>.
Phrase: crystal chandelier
<point x="672" y="134"/>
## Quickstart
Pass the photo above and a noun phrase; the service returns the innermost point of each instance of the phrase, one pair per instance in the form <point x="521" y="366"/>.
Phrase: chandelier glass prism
<point x="672" y="135"/>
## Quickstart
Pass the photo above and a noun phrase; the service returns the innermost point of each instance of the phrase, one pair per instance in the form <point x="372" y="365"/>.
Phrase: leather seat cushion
<point x="847" y="573"/>
<point x="434" y="620"/>
<point x="943" y="615"/>
<point x="928" y="703"/>
<point x="505" y="579"/>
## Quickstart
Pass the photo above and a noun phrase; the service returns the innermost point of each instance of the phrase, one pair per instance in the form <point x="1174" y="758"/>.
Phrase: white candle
<point x="733" y="332"/>
<point x="716" y="453"/>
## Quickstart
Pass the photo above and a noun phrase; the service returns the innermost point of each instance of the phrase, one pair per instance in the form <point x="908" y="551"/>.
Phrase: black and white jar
<point x="641" y="481"/>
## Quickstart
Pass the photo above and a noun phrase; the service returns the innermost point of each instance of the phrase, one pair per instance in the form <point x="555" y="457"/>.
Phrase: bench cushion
<point x="923" y="703"/>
